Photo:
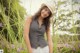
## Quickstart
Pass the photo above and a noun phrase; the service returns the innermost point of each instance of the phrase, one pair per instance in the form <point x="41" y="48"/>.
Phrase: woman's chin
<point x="43" y="17"/>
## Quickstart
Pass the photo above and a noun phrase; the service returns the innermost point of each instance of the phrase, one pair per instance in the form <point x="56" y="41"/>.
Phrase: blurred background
<point x="65" y="25"/>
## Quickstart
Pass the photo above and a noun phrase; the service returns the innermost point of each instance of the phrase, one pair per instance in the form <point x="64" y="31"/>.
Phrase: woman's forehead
<point x="46" y="8"/>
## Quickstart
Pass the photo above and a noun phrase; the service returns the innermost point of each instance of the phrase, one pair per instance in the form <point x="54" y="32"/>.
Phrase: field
<point x="12" y="19"/>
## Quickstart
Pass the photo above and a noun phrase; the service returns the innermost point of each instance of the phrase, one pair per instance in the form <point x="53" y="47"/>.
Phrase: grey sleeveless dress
<point x="36" y="35"/>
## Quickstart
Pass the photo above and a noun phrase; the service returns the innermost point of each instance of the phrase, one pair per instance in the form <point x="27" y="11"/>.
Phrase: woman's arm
<point x="26" y="34"/>
<point x="49" y="38"/>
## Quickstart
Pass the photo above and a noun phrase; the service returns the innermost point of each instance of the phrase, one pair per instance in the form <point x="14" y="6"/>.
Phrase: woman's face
<point x="45" y="12"/>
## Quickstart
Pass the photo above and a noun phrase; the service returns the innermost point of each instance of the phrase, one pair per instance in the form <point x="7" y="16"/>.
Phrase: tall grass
<point x="11" y="34"/>
<point x="66" y="43"/>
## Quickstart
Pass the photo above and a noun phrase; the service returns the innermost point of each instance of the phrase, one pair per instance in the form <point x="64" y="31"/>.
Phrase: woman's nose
<point x="45" y="13"/>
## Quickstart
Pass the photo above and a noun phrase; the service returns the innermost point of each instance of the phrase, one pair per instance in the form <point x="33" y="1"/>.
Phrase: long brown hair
<point x="46" y="21"/>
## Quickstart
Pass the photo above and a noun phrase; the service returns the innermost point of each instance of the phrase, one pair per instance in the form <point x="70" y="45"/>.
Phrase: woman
<point x="34" y="29"/>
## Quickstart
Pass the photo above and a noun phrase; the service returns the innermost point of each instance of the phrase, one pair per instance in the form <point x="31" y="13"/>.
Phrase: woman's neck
<point x="40" y="18"/>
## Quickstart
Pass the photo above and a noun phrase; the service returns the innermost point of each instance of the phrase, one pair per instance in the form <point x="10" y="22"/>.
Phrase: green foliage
<point x="12" y="17"/>
<point x="11" y="31"/>
<point x="66" y="20"/>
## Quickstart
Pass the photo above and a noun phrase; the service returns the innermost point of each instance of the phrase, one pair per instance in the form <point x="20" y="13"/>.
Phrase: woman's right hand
<point x="30" y="51"/>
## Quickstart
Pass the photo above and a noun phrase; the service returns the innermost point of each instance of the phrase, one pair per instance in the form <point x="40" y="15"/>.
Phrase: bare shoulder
<point x="29" y="19"/>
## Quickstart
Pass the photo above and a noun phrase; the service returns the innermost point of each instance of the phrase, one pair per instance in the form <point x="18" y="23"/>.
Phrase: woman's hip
<point x="41" y="50"/>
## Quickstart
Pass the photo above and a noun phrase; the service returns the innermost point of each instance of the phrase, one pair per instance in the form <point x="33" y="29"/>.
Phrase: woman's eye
<point x="45" y="9"/>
